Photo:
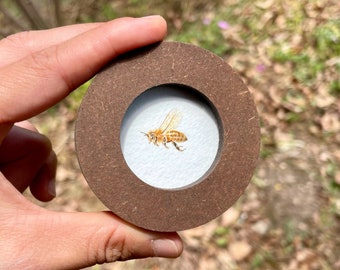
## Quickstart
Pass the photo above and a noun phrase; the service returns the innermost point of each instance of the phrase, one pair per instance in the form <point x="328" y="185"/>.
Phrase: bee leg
<point x="164" y="143"/>
<point x="178" y="147"/>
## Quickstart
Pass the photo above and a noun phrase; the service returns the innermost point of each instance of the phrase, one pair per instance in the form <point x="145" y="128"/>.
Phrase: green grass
<point x="220" y="236"/>
<point x="310" y="60"/>
<point x="208" y="36"/>
<point x="263" y="258"/>
<point x="74" y="99"/>
<point x="335" y="87"/>
<point x="327" y="37"/>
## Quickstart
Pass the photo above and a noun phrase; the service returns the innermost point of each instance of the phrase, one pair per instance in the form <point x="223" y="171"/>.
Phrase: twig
<point x="57" y="12"/>
<point x="11" y="19"/>
<point x="32" y="14"/>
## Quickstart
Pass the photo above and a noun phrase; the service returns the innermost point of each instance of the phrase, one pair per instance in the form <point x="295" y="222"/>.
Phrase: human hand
<point x="38" y="69"/>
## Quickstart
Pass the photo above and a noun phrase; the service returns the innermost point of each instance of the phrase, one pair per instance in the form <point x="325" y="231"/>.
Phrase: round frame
<point x="98" y="137"/>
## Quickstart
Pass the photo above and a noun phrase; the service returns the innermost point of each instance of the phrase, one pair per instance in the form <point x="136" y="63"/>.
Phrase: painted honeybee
<point x="166" y="133"/>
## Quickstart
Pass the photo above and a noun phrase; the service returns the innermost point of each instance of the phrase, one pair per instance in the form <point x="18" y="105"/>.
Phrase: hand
<point x="38" y="69"/>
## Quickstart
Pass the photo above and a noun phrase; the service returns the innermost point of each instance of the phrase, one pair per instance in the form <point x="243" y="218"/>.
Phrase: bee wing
<point x="171" y="121"/>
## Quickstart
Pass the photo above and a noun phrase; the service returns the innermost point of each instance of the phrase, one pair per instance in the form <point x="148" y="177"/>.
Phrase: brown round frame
<point x="98" y="136"/>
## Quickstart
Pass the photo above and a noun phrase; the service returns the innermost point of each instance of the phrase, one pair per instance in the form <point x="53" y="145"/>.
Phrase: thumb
<point x="78" y="240"/>
<point x="43" y="239"/>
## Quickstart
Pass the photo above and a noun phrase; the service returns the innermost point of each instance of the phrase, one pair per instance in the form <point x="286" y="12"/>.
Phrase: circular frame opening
<point x="170" y="136"/>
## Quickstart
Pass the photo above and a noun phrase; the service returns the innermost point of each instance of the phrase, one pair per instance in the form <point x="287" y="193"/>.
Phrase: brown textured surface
<point x="98" y="132"/>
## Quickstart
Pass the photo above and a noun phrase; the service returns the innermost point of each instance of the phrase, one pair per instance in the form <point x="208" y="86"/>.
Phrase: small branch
<point x="57" y="12"/>
<point x="31" y="14"/>
<point x="11" y="19"/>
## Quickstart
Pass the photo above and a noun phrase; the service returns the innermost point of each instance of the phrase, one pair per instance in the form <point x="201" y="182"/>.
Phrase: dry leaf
<point x="239" y="250"/>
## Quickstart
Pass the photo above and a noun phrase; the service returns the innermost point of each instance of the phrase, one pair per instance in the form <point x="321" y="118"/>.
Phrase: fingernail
<point x="151" y="16"/>
<point x="165" y="248"/>
<point x="51" y="188"/>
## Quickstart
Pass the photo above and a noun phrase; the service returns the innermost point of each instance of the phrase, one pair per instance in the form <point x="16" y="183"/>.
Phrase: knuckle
<point x="42" y="61"/>
<point x="49" y="64"/>
<point x="106" y="246"/>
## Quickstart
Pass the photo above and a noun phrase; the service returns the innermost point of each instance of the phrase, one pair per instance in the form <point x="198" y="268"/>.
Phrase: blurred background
<point x="288" y="53"/>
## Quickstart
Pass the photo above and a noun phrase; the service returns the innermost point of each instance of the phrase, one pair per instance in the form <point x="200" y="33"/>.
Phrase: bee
<point x="166" y="133"/>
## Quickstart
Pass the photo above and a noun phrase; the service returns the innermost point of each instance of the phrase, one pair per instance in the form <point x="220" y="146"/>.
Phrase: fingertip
<point x="43" y="187"/>
<point x="142" y="243"/>
<point x="158" y="22"/>
<point x="167" y="247"/>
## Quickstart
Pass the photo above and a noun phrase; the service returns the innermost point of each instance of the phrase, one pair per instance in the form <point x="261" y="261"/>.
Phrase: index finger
<point x="19" y="45"/>
<point x="43" y="78"/>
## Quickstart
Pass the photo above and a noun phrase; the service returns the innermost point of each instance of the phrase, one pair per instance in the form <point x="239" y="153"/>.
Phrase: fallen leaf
<point x="239" y="250"/>
<point x="230" y="217"/>
<point x="330" y="122"/>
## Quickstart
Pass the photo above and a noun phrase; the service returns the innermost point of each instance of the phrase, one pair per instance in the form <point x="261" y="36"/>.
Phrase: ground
<point x="287" y="52"/>
<point x="283" y="220"/>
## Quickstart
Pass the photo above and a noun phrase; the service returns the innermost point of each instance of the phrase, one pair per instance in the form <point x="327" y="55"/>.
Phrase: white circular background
<point x="162" y="167"/>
